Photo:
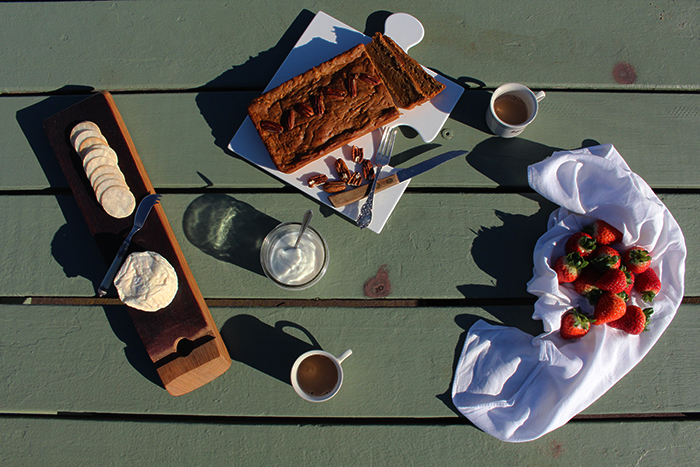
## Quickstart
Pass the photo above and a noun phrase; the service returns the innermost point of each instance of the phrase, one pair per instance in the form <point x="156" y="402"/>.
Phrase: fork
<point x="386" y="146"/>
<point x="141" y="214"/>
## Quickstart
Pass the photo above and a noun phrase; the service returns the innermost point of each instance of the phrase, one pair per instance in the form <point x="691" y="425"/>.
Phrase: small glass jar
<point x="294" y="268"/>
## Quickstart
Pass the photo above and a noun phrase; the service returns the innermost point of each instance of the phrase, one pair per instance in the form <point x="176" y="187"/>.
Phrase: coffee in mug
<point x="513" y="106"/>
<point x="317" y="375"/>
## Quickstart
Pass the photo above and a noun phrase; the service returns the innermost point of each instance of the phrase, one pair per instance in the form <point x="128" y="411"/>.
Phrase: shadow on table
<point x="72" y="245"/>
<point x="268" y="349"/>
<point x="227" y="229"/>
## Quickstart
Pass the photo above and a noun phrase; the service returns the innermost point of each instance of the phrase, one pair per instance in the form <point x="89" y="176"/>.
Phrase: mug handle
<point x="540" y="95"/>
<point x="344" y="355"/>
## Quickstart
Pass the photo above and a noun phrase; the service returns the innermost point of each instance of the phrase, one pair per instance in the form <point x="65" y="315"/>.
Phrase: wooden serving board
<point x="181" y="339"/>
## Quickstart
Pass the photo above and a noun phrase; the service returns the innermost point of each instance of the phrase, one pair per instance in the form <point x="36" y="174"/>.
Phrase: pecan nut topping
<point x="367" y="169"/>
<point x="369" y="79"/>
<point x="355" y="179"/>
<point x="357" y="154"/>
<point x="289" y="119"/>
<point x="335" y="93"/>
<point x="334" y="187"/>
<point x="342" y="169"/>
<point x="304" y="109"/>
<point x="315" y="180"/>
<point x="271" y="127"/>
<point x="317" y="104"/>
<point x="352" y="85"/>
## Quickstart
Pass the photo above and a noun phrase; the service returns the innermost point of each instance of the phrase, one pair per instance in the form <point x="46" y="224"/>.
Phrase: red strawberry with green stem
<point x="647" y="284"/>
<point x="627" y="293"/>
<point x="605" y="257"/>
<point x="637" y="259"/>
<point x="585" y="282"/>
<point x="604" y="233"/>
<point x="581" y="243"/>
<point x="574" y="324"/>
<point x="609" y="308"/>
<point x="568" y="267"/>
<point x="634" y="321"/>
<point x="613" y="280"/>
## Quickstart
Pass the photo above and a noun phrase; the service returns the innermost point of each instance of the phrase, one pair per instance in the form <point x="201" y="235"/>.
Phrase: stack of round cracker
<point x="101" y="166"/>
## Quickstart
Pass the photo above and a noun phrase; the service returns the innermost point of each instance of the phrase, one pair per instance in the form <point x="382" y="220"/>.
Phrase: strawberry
<point x="614" y="280"/>
<point x="568" y="267"/>
<point x="609" y="308"/>
<point x="581" y="243"/>
<point x="574" y="324"/>
<point x="585" y="282"/>
<point x="604" y="233"/>
<point x="634" y="321"/>
<point x="647" y="284"/>
<point x="627" y="293"/>
<point x="637" y="259"/>
<point x="605" y="257"/>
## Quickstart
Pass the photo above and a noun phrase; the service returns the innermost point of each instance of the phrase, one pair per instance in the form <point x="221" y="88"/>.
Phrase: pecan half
<point x="369" y="79"/>
<point x="317" y="104"/>
<point x="272" y="127"/>
<point x="335" y="93"/>
<point x="357" y="154"/>
<point x="289" y="119"/>
<point x="342" y="169"/>
<point x="334" y="187"/>
<point x="355" y="179"/>
<point x="319" y="179"/>
<point x="352" y="85"/>
<point x="367" y="169"/>
<point x="304" y="109"/>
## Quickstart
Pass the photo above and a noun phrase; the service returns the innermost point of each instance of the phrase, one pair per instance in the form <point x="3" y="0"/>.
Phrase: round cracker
<point x="81" y="136"/>
<point x="146" y="281"/>
<point x="85" y="125"/>
<point x="88" y="142"/>
<point x="117" y="201"/>
<point x="107" y="183"/>
<point x="105" y="171"/>
<point x="99" y="150"/>
<point x="96" y="162"/>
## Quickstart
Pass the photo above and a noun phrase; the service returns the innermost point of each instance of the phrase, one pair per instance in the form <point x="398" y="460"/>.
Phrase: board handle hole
<point x="184" y="347"/>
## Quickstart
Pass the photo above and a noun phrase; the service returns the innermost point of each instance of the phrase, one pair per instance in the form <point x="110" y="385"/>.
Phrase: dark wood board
<point x="181" y="339"/>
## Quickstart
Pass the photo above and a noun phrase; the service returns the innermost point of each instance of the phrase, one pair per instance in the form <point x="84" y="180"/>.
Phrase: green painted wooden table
<point x="77" y="385"/>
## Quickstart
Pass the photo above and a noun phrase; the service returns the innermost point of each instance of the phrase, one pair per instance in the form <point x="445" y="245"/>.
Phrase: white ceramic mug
<point x="513" y="106"/>
<point x="320" y="378"/>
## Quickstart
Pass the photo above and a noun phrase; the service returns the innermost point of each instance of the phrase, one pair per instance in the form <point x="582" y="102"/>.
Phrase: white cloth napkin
<point x="518" y="388"/>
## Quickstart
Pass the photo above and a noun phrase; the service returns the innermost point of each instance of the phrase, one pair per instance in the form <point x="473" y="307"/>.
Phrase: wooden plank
<point x="458" y="245"/>
<point x="89" y="359"/>
<point x="42" y="441"/>
<point x="186" y="318"/>
<point x="180" y="44"/>
<point x="182" y="137"/>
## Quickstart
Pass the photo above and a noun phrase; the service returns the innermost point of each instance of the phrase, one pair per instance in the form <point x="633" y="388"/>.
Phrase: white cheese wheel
<point x="87" y="143"/>
<point x="146" y="281"/>
<point x="117" y="201"/>
<point x="108" y="182"/>
<point x="104" y="172"/>
<point x="96" y="162"/>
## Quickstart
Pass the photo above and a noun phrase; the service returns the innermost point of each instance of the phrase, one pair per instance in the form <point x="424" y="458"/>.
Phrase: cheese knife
<point x="356" y="194"/>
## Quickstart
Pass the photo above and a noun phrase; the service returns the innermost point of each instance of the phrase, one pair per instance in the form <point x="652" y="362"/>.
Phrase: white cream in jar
<point x="290" y="267"/>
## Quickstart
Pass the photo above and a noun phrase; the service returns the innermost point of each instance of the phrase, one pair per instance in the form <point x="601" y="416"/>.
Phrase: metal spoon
<point x="307" y="218"/>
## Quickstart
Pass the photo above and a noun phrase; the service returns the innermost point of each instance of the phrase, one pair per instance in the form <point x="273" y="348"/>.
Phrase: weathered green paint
<point x="88" y="359"/>
<point x="181" y="139"/>
<point x="187" y="44"/>
<point x="434" y="245"/>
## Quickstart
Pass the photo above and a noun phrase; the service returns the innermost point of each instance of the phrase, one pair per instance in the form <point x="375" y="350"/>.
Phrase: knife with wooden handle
<point x="356" y="194"/>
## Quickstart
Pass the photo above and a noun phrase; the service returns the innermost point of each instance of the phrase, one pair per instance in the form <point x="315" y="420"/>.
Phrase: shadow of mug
<point x="268" y="349"/>
<point x="227" y="229"/>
